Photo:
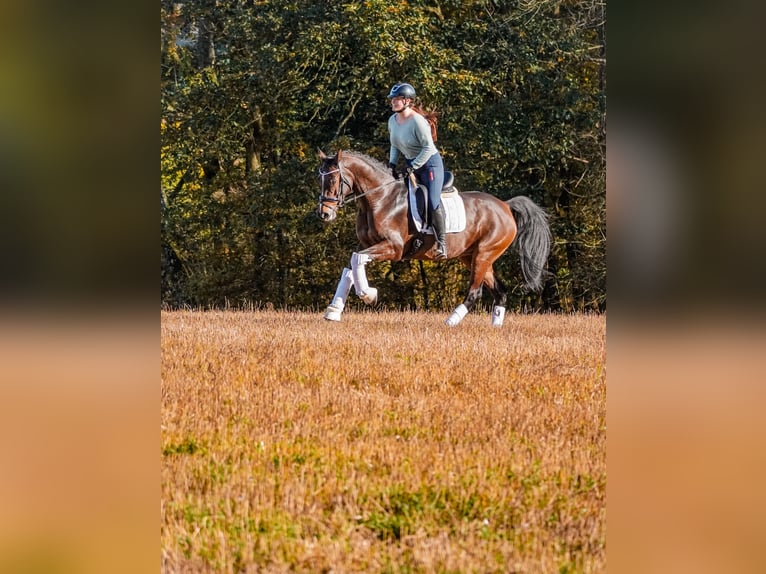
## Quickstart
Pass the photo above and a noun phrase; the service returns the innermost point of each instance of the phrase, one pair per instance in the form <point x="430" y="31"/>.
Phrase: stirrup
<point x="440" y="251"/>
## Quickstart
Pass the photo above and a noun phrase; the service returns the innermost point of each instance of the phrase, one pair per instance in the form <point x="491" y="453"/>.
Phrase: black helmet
<point x="402" y="91"/>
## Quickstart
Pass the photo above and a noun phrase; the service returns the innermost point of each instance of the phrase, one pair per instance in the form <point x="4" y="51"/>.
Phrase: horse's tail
<point x="533" y="239"/>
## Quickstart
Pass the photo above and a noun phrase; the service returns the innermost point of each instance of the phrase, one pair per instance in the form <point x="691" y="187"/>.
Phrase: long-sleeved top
<point x="412" y="138"/>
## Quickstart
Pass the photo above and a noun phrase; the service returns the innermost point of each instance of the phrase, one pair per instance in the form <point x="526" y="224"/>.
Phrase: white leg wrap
<point x="498" y="314"/>
<point x="366" y="293"/>
<point x="341" y="294"/>
<point x="457" y="315"/>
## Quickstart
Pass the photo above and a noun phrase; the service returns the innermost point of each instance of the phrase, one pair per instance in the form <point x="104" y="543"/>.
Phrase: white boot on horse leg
<point x="457" y="315"/>
<point x="366" y="293"/>
<point x="335" y="308"/>
<point x="498" y="315"/>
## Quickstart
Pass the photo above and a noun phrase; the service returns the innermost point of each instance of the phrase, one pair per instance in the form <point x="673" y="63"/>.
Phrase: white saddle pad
<point x="454" y="213"/>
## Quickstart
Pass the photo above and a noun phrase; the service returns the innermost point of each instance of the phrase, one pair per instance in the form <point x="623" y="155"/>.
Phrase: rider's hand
<point x="392" y="167"/>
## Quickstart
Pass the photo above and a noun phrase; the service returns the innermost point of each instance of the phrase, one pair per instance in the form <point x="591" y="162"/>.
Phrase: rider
<point x="412" y="134"/>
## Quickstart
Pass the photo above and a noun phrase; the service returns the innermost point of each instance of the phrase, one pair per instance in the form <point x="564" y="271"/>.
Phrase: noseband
<point x="335" y="202"/>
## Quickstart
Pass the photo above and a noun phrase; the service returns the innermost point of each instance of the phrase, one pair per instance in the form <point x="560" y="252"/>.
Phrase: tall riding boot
<point x="437" y="221"/>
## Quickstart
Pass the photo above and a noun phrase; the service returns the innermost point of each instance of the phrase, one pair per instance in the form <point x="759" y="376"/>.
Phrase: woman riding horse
<point x="413" y="136"/>
<point x="384" y="232"/>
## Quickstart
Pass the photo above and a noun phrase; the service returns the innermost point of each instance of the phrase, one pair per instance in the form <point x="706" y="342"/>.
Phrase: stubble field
<point x="385" y="443"/>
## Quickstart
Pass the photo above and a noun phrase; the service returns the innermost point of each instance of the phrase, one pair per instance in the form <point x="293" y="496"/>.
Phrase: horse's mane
<point x="376" y="164"/>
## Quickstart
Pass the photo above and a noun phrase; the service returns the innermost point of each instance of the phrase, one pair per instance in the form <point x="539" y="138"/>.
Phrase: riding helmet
<point x="402" y="91"/>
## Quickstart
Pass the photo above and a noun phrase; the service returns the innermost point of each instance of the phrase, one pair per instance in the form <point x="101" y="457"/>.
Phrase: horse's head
<point x="334" y="186"/>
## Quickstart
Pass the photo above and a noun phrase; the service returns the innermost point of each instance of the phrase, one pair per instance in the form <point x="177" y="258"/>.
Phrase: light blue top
<point x="412" y="138"/>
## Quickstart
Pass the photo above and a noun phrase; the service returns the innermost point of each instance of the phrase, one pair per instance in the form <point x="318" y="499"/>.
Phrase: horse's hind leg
<point x="499" y="294"/>
<point x="479" y="268"/>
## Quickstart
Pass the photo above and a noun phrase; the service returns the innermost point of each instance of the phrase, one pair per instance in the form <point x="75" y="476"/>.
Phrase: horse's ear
<point x="338" y="155"/>
<point x="321" y="154"/>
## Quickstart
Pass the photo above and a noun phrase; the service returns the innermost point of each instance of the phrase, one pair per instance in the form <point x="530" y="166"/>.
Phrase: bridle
<point x="336" y="202"/>
<point x="339" y="201"/>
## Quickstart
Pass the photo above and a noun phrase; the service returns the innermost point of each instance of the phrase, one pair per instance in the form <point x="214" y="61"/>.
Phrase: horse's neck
<point x="384" y="200"/>
<point x="367" y="178"/>
<point x="364" y="175"/>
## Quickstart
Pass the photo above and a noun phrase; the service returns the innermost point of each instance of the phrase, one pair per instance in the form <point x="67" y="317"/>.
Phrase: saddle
<point x="454" y="210"/>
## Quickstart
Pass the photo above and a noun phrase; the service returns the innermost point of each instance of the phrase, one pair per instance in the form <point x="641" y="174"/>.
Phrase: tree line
<point x="251" y="89"/>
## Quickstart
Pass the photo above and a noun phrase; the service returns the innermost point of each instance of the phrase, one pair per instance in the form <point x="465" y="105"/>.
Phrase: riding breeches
<point x="431" y="174"/>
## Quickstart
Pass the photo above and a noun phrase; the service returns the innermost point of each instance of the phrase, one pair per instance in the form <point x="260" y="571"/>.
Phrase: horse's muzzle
<point x="325" y="214"/>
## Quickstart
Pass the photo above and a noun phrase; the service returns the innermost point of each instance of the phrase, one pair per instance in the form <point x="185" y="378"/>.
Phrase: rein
<point x="358" y="195"/>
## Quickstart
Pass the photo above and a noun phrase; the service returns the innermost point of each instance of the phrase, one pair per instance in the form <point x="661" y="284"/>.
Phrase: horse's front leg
<point x="357" y="277"/>
<point x="334" y="310"/>
<point x="366" y="293"/>
<point x="384" y="251"/>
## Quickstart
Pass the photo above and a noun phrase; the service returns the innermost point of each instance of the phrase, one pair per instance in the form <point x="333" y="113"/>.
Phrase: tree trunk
<point x="254" y="145"/>
<point x="205" y="45"/>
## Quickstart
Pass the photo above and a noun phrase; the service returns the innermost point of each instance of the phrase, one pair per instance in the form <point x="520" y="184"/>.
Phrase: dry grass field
<point x="384" y="443"/>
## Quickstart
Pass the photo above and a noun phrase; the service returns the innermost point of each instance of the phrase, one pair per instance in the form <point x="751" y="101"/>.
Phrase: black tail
<point x="533" y="239"/>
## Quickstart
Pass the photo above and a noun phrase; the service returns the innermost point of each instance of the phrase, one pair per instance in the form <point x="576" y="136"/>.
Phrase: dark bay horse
<point x="386" y="234"/>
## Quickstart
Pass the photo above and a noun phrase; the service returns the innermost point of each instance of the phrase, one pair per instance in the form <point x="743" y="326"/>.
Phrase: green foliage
<point x="250" y="90"/>
<point x="186" y="446"/>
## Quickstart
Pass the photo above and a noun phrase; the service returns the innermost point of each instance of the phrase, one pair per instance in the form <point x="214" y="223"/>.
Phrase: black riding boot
<point x="437" y="222"/>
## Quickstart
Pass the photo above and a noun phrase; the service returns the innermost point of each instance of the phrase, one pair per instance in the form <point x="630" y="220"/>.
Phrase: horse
<point x="386" y="233"/>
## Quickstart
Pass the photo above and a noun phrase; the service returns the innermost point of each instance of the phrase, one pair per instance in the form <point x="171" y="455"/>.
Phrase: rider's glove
<point x="392" y="167"/>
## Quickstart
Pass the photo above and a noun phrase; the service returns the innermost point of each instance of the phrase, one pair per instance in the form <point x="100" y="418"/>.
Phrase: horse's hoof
<point x="498" y="314"/>
<point x="457" y="315"/>
<point x="370" y="296"/>
<point x="332" y="314"/>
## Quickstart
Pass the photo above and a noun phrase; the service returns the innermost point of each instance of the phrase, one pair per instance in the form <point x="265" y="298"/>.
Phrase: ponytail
<point x="431" y="117"/>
